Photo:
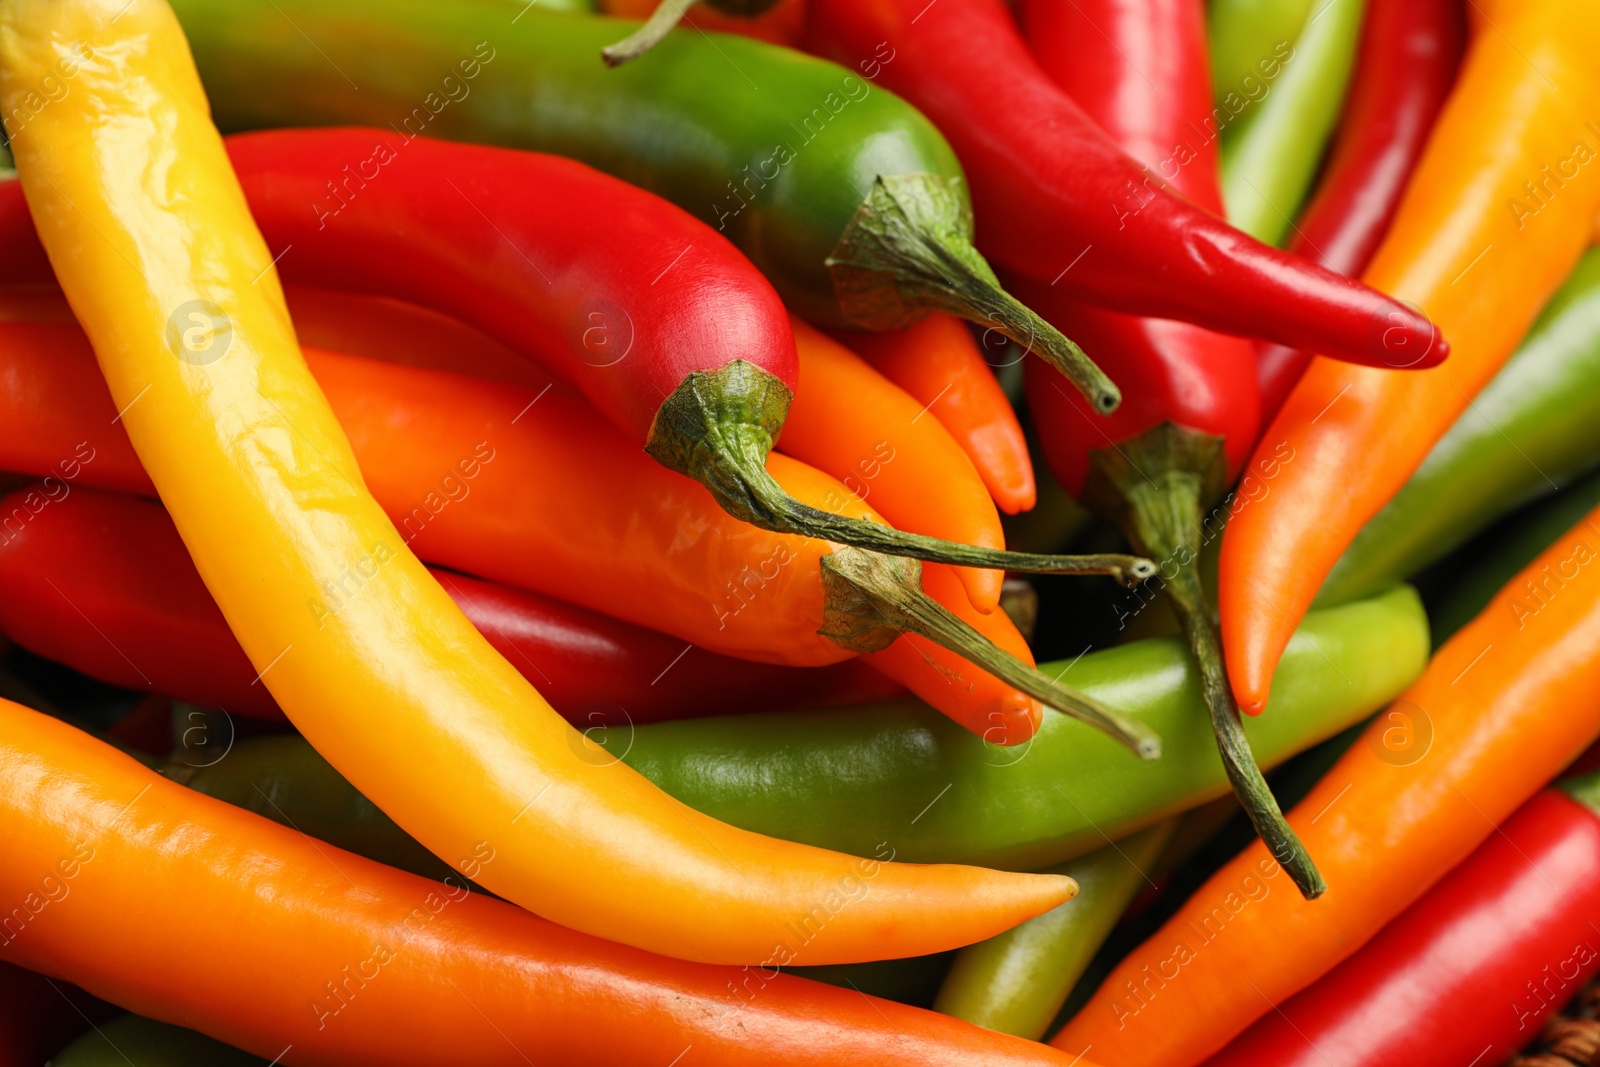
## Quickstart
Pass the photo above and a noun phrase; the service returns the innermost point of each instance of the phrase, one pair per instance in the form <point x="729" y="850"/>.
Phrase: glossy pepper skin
<point x="262" y="485"/>
<point x="1157" y="464"/>
<point x="801" y="191"/>
<point x="1272" y="154"/>
<point x="1504" y="705"/>
<point x="1471" y="970"/>
<point x="354" y="963"/>
<point x="851" y="778"/>
<point x="1051" y="187"/>
<point x="662" y="325"/>
<point x="1469" y="246"/>
<point x="1244" y="33"/>
<point x="937" y="361"/>
<point x="1016" y="982"/>
<point x="537" y="517"/>
<point x="1410" y="50"/>
<point x="1531" y="429"/>
<point x="101" y="582"/>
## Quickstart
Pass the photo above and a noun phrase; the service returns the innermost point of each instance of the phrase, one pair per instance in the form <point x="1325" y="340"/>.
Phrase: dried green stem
<point x="909" y="250"/>
<point x="661" y="22"/>
<point x="1154" y="486"/>
<point x="871" y="599"/>
<point x="718" y="428"/>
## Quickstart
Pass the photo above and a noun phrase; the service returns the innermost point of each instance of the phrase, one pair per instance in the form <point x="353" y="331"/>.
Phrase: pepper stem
<point x="661" y="22"/>
<point x="1154" y="486"/>
<point x="718" y="427"/>
<point x="909" y="250"/>
<point x="870" y="599"/>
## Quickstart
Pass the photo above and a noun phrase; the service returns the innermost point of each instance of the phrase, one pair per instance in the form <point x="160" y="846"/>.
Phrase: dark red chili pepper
<point x="658" y="320"/>
<point x="101" y="582"/>
<point x="1468" y="973"/>
<point x="1058" y="201"/>
<point x="1191" y="415"/>
<point x="1410" y="50"/>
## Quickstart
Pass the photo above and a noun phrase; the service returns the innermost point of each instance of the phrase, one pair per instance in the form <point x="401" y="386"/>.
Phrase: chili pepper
<point x="119" y="1040"/>
<point x="1272" y="154"/>
<point x="1527" y="536"/>
<point x="777" y="21"/>
<point x="848" y="199"/>
<point x="1531" y="429"/>
<point x="1407" y="61"/>
<point x="853" y="423"/>
<point x="665" y="327"/>
<point x="1502" y="708"/>
<point x="353" y="963"/>
<point x="265" y="491"/>
<point x="1157" y="464"/>
<point x="860" y="778"/>
<point x="529" y="489"/>
<point x="851" y="778"/>
<point x="1473" y="244"/>
<point x="1017" y="981"/>
<point x="937" y="361"/>
<point x="1250" y="39"/>
<point x="101" y="582"/>
<point x="1062" y="204"/>
<point x="1472" y="969"/>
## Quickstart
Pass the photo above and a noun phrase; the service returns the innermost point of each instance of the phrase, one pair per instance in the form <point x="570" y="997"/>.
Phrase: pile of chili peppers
<point x="799" y="532"/>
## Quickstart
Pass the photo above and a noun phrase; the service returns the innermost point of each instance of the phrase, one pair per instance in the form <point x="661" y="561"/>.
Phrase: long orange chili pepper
<point x="874" y="437"/>
<point x="1504" y="706"/>
<point x="528" y="488"/>
<point x="1497" y="213"/>
<point x="320" y="956"/>
<point x="316" y="583"/>
<point x="937" y="361"/>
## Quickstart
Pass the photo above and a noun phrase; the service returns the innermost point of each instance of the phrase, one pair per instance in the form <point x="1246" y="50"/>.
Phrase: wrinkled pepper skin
<point x="262" y="484"/>
<point x="321" y="958"/>
<point x="1052" y="188"/>
<point x="1530" y="430"/>
<point x="1410" y="50"/>
<point x="1470" y="971"/>
<point x="1482" y="254"/>
<point x="101" y="582"/>
<point x="853" y="779"/>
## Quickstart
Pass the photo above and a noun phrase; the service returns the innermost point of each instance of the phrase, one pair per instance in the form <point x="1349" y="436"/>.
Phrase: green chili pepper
<point x="1247" y="33"/>
<point x="281" y="778"/>
<point x="135" y="1039"/>
<point x="1016" y="982"/>
<point x="902" y="777"/>
<point x="1531" y="430"/>
<point x="848" y="199"/>
<point x="1271" y="155"/>
<point x="898" y="777"/>
<point x="1518" y="545"/>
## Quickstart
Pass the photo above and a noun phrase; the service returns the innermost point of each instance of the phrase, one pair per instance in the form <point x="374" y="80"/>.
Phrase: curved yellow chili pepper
<point x="150" y="237"/>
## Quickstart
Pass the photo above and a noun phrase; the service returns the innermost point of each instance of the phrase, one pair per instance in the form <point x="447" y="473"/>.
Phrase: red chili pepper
<point x="1191" y="412"/>
<point x="101" y="582"/>
<point x="658" y="320"/>
<point x="1468" y="973"/>
<point x="1410" y="50"/>
<point x="1061" y="203"/>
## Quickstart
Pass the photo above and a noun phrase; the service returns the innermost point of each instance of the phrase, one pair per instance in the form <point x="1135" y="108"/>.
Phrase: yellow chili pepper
<point x="154" y="247"/>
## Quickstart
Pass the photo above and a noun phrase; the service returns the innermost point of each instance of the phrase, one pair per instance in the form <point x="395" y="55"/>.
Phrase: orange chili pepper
<point x="321" y="957"/>
<point x="1502" y="708"/>
<point x="1497" y="213"/>
<point x="652" y="548"/>
<point x="937" y="361"/>
<point x="855" y="424"/>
